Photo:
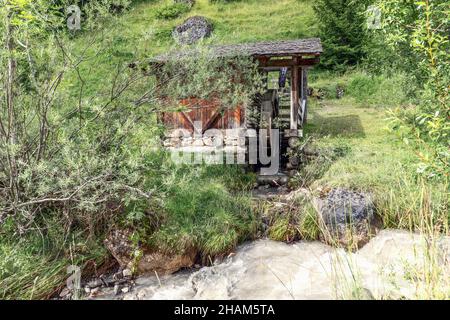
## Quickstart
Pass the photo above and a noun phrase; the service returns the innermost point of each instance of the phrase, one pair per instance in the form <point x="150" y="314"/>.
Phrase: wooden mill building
<point x="288" y="103"/>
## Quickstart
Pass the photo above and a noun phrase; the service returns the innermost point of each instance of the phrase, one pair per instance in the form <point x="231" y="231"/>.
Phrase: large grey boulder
<point x="347" y="216"/>
<point x="192" y="30"/>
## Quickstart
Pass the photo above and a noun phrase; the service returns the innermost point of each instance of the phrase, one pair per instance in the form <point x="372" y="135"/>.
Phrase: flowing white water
<point x="267" y="269"/>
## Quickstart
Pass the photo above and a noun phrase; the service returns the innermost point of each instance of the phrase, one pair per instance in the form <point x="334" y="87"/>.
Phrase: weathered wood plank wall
<point x="209" y="112"/>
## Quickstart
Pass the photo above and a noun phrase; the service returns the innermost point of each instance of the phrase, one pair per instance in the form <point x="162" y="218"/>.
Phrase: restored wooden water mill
<point x="282" y="109"/>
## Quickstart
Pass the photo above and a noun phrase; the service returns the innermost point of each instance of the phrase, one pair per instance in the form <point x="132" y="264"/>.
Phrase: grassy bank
<point x="35" y="266"/>
<point x="203" y="208"/>
<point x="138" y="34"/>
<point x="210" y="208"/>
<point x="357" y="149"/>
<point x="375" y="160"/>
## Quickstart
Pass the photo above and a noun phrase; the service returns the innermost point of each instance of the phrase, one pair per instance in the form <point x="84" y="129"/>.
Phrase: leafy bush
<point x="420" y="29"/>
<point x="223" y="1"/>
<point x="171" y="11"/>
<point x="202" y="75"/>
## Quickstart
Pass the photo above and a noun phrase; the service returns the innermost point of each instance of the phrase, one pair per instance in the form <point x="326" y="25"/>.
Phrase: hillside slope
<point x="139" y="34"/>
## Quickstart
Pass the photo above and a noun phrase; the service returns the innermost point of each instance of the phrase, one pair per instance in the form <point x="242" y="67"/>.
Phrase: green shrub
<point x="223" y="1"/>
<point x="202" y="75"/>
<point x="171" y="11"/>
<point x="417" y="32"/>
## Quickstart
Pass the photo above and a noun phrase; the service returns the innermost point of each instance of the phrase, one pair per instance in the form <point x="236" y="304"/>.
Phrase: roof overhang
<point x="307" y="50"/>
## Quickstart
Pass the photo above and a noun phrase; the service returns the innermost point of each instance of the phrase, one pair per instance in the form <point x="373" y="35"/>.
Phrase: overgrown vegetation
<point x="172" y="11"/>
<point x="78" y="128"/>
<point x="78" y="160"/>
<point x="207" y="217"/>
<point x="421" y="29"/>
<point x="231" y="81"/>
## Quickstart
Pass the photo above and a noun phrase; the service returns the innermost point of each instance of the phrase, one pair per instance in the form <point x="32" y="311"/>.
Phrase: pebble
<point x="127" y="273"/>
<point x="116" y="289"/>
<point x="64" y="292"/>
<point x="94" y="283"/>
<point x="118" y="275"/>
<point x="125" y="290"/>
<point x="94" y="292"/>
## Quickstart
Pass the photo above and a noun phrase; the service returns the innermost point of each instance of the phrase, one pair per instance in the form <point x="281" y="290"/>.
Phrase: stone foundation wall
<point x="212" y="138"/>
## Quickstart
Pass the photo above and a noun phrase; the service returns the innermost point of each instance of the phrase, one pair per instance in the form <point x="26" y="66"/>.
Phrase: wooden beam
<point x="294" y="97"/>
<point x="304" y="95"/>
<point x="288" y="62"/>
<point x="191" y="123"/>
<point x="279" y="63"/>
<point x="308" y="62"/>
<point x="212" y="120"/>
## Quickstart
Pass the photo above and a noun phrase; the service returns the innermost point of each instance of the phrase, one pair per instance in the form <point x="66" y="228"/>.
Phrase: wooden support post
<point x="294" y="97"/>
<point x="304" y="96"/>
<point x="304" y="83"/>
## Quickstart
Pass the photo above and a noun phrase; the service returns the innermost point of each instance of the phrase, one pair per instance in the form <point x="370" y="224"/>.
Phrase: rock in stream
<point x="347" y="216"/>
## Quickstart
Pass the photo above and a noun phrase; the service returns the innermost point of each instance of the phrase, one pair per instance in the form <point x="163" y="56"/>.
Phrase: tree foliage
<point x="419" y="29"/>
<point x="74" y="154"/>
<point x="342" y="26"/>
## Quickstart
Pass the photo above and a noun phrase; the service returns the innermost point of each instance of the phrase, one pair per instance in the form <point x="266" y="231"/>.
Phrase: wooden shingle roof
<point x="300" y="47"/>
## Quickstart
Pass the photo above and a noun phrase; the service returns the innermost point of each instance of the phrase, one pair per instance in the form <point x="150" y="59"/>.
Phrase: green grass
<point x="202" y="208"/>
<point x="32" y="266"/>
<point x="376" y="154"/>
<point x="363" y="89"/>
<point x="372" y="158"/>
<point x="139" y="34"/>
<point x="205" y="208"/>
<point x="356" y="149"/>
<point x="255" y="20"/>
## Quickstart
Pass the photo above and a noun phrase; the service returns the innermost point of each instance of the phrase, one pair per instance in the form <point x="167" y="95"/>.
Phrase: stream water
<point x="266" y="269"/>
